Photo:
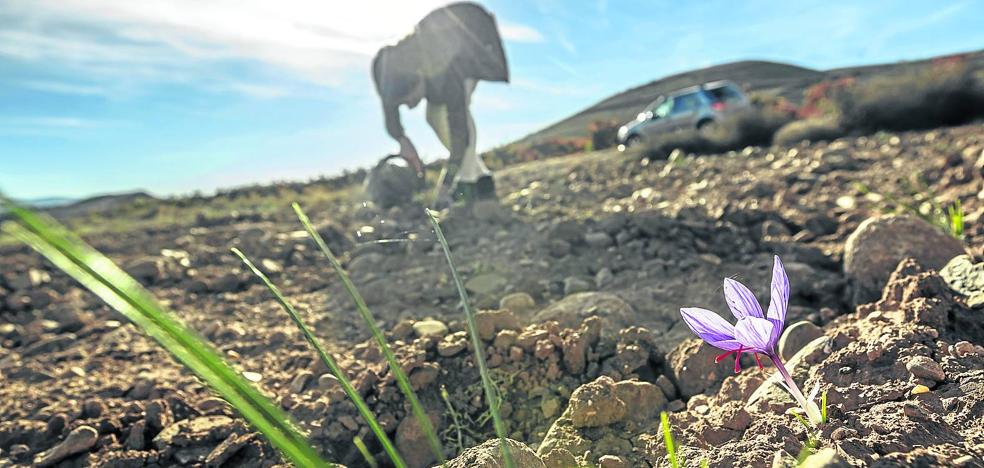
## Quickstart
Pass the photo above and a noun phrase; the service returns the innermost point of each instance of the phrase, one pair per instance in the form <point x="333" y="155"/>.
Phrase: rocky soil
<point x="580" y="274"/>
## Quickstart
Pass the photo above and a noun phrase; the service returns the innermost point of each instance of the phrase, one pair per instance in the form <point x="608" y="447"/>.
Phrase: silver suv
<point x="695" y="107"/>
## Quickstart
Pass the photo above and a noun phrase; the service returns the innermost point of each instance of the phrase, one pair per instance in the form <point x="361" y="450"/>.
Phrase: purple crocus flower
<point x="756" y="332"/>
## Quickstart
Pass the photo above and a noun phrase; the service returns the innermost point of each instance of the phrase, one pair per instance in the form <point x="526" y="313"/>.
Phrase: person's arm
<point x="391" y="114"/>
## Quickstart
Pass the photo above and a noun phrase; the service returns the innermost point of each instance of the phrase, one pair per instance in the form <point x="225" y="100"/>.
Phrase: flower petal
<point x="780" y="292"/>
<point x="755" y="333"/>
<point x="741" y="301"/>
<point x="710" y="327"/>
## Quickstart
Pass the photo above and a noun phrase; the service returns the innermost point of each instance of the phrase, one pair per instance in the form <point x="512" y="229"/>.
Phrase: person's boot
<point x="481" y="189"/>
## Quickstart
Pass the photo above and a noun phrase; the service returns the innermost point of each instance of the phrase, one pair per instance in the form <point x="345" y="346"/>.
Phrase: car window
<point x="663" y="109"/>
<point x="686" y="103"/>
<point x="725" y="94"/>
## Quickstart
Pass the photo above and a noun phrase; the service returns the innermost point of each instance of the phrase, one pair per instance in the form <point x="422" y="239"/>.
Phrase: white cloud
<point x="317" y="40"/>
<point x="58" y="87"/>
<point x="519" y="32"/>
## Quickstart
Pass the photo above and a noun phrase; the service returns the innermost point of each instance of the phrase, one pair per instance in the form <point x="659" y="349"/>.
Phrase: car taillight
<point x="718" y="106"/>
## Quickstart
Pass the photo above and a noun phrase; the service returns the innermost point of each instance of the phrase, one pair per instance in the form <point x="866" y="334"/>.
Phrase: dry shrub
<point x="945" y="94"/>
<point x="813" y="129"/>
<point x="603" y="134"/>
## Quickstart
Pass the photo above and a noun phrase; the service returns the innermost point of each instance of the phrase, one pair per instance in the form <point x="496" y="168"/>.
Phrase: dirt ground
<point x="580" y="273"/>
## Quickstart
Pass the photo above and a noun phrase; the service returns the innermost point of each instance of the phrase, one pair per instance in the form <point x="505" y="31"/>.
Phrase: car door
<point x="684" y="112"/>
<point x="659" y="122"/>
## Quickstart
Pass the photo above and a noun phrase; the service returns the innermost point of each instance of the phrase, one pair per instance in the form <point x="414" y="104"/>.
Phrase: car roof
<point x="692" y="89"/>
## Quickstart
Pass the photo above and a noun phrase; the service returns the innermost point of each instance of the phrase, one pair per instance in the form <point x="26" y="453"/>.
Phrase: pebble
<point x="426" y="328"/>
<point x="963" y="348"/>
<point x="81" y="439"/>
<point x="598" y="239"/>
<point x="574" y="285"/>
<point x="517" y="302"/>
<point x="796" y="336"/>
<point x="919" y="389"/>
<point x="300" y="381"/>
<point x="611" y="461"/>
<point x="924" y="367"/>
<point x="253" y="376"/>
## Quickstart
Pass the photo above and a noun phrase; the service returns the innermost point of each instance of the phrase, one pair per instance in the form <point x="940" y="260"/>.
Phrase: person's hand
<point x="409" y="154"/>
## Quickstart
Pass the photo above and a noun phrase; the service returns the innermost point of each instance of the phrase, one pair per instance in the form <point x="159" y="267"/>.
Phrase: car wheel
<point x="705" y="125"/>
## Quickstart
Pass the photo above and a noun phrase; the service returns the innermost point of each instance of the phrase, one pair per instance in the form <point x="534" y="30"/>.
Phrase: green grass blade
<point x="489" y="386"/>
<point x="401" y="378"/>
<point x="668" y="439"/>
<point x="359" y="444"/>
<point x="333" y="366"/>
<point x="100" y="275"/>
<point x="802" y="421"/>
<point x="823" y="407"/>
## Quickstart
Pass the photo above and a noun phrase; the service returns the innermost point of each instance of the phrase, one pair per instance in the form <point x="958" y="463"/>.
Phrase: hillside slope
<point x="753" y="75"/>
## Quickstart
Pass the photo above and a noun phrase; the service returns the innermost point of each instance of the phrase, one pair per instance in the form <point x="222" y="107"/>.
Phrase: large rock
<point x="879" y="244"/>
<point x="570" y="311"/>
<point x="693" y="367"/>
<point x="605" y="402"/>
<point x="489" y="455"/>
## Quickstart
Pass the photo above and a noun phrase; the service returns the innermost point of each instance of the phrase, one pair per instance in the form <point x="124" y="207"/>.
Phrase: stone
<point x="80" y="440"/>
<point x="967" y="278"/>
<point x="559" y="248"/>
<point x="228" y="282"/>
<point x="431" y="327"/>
<point x="826" y="457"/>
<point x="489" y="322"/>
<point x="576" y="284"/>
<point x="452" y="344"/>
<point x="137" y="440"/>
<point x="569" y="312"/>
<point x="598" y="240"/>
<point x="412" y="443"/>
<point x="693" y="368"/>
<point x="873" y="250"/>
<point x="195" y="431"/>
<point x="518" y="302"/>
<point x="594" y="404"/>
<point x="227" y="449"/>
<point x="549" y="405"/>
<point x="796" y="336"/>
<point x="271" y="267"/>
<point x="925" y="368"/>
<point x="559" y="458"/>
<point x="147" y="270"/>
<point x="424" y="375"/>
<point x="300" y="381"/>
<point x="486" y="283"/>
<point x="612" y="461"/>
<point x="604" y="277"/>
<point x="489" y="455"/>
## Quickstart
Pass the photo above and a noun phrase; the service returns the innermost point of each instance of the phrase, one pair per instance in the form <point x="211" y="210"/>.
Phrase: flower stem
<point x="810" y="408"/>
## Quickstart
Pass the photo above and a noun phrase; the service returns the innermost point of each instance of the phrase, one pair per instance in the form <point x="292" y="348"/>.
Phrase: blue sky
<point x="173" y="96"/>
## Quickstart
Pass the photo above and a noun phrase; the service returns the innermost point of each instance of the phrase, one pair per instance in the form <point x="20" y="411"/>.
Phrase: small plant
<point x="754" y="333"/>
<point x="360" y="304"/>
<point x="675" y="461"/>
<point x="919" y="200"/>
<point x="120" y="291"/>
<point x="333" y="366"/>
<point x="491" y="395"/>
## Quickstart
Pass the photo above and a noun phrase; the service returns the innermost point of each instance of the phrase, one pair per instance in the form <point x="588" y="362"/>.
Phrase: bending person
<point x="442" y="60"/>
